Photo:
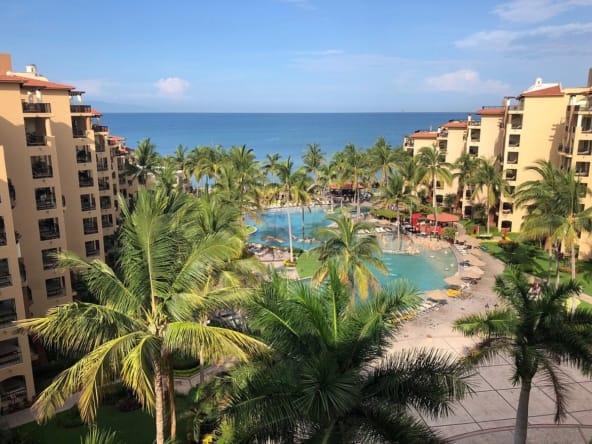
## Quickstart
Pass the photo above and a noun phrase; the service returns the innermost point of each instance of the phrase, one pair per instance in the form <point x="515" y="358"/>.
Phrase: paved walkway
<point x="488" y="416"/>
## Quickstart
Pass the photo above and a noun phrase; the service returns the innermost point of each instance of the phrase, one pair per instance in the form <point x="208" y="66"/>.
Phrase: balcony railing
<point x="90" y="252"/>
<point x="10" y="357"/>
<point x="100" y="148"/>
<point x="7" y="314"/>
<point x="100" y="128"/>
<point x="46" y="203"/>
<point x="102" y="166"/>
<point x="105" y="205"/>
<point x="42" y="172"/>
<point x="89" y="206"/>
<point x="86" y="109"/>
<point x="49" y="262"/>
<point x="86" y="181"/>
<point x="107" y="223"/>
<point x="582" y="173"/>
<point x="36" y="107"/>
<point x="55" y="290"/>
<point x="78" y="133"/>
<point x="49" y="233"/>
<point x="91" y="229"/>
<point x="5" y="280"/>
<point x="36" y="140"/>
<point x="83" y="157"/>
<point x="103" y="186"/>
<point x="2" y="238"/>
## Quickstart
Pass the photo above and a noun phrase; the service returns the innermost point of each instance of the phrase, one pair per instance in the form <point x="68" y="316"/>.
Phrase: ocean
<point x="287" y="134"/>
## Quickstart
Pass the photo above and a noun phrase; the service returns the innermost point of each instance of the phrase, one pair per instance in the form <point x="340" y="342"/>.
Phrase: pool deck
<point x="488" y="416"/>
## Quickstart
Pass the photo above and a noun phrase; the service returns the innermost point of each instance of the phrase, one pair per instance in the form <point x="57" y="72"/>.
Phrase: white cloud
<point x="542" y="37"/>
<point x="171" y="86"/>
<point x="93" y="87"/>
<point x="465" y="80"/>
<point x="532" y="11"/>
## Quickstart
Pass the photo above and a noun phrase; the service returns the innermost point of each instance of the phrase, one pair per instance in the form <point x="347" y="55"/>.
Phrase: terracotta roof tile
<point x="491" y="111"/>
<point x="34" y="83"/>
<point x="423" y="135"/>
<point x="455" y="124"/>
<point x="552" y="91"/>
<point x="96" y="112"/>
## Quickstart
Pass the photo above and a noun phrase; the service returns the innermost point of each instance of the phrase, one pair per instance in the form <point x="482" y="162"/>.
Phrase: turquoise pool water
<point x="427" y="269"/>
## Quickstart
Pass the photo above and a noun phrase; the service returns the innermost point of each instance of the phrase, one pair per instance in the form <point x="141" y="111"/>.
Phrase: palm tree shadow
<point x="522" y="255"/>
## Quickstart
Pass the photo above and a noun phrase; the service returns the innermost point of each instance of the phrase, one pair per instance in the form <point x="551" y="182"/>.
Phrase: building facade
<point x="57" y="190"/>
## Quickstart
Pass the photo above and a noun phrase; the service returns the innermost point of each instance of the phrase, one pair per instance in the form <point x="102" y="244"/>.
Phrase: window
<point x="586" y="124"/>
<point x="104" y="184"/>
<point x="105" y="202"/>
<point x="10" y="352"/>
<point x="49" y="229"/>
<point x="55" y="287"/>
<point x="90" y="225"/>
<point x="514" y="140"/>
<point x="87" y="202"/>
<point x="92" y="248"/>
<point x="512" y="158"/>
<point x="582" y="169"/>
<point x="2" y="232"/>
<point x="83" y="154"/>
<point x="85" y="178"/>
<point x="5" y="278"/>
<point x="475" y="135"/>
<point x="45" y="198"/>
<point x="511" y="174"/>
<point x="49" y="258"/>
<point x="585" y="147"/>
<point x="41" y="167"/>
<point x="474" y="151"/>
<point x="107" y="220"/>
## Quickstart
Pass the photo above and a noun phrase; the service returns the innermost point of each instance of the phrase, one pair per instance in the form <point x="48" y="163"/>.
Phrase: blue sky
<point x="300" y="55"/>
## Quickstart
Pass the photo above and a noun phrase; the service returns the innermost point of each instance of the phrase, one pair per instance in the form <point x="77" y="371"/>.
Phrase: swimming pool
<point x="426" y="270"/>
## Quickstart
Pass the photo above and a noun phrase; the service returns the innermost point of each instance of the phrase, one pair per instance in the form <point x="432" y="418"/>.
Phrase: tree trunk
<point x="202" y="367"/>
<point x="521" y="428"/>
<point x="574" y="298"/>
<point x="434" y="202"/>
<point x="550" y="265"/>
<point x="172" y="404"/>
<point x="159" y="402"/>
<point x="290" y="235"/>
<point x="399" y="228"/>
<point x="303" y="222"/>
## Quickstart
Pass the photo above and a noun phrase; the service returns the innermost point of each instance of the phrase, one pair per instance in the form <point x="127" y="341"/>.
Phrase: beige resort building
<point x="60" y="174"/>
<point x="545" y="121"/>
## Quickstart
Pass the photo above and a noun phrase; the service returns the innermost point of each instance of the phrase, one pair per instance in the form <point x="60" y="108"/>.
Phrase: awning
<point x="443" y="217"/>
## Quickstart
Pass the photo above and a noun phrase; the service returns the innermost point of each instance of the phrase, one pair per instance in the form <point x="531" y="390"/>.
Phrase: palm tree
<point x="352" y="252"/>
<point x="489" y="175"/>
<point x="183" y="163"/>
<point x="436" y="169"/>
<point x="394" y="194"/>
<point x="145" y="313"/>
<point x="146" y="161"/>
<point x="314" y="159"/>
<point x="538" y="333"/>
<point x="353" y="162"/>
<point x="289" y="178"/>
<point x="301" y="195"/>
<point x="465" y="167"/>
<point x="555" y="209"/>
<point x="382" y="157"/>
<point x="328" y="380"/>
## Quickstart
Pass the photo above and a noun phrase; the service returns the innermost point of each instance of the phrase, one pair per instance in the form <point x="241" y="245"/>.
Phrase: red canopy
<point x="444" y="217"/>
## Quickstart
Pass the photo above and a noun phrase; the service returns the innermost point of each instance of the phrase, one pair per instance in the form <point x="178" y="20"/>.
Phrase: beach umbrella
<point x="472" y="272"/>
<point x="454" y="280"/>
<point x="436" y="295"/>
<point x="474" y="260"/>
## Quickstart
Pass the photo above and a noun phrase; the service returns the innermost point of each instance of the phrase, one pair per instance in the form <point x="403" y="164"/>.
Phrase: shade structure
<point x="472" y="272"/>
<point x="443" y="217"/>
<point x="454" y="280"/>
<point x="473" y="260"/>
<point x="437" y="295"/>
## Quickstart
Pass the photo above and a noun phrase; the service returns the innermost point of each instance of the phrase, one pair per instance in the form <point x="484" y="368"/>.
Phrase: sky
<point x="300" y="55"/>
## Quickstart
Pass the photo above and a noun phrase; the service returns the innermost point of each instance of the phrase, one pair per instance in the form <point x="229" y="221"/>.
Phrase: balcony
<point x="42" y="171"/>
<point x="49" y="229"/>
<point x="55" y="287"/>
<point x="507" y="208"/>
<point x="103" y="166"/>
<point x="475" y="136"/>
<point x="100" y="147"/>
<point x="83" y="156"/>
<point x="78" y="133"/>
<point x="100" y="128"/>
<point x="10" y="353"/>
<point x="36" y="108"/>
<point x="5" y="279"/>
<point x="105" y="203"/>
<point x="80" y="109"/>
<point x="104" y="185"/>
<point x="511" y="174"/>
<point x="514" y="141"/>
<point x="85" y="181"/>
<point x="36" y="140"/>
<point x="91" y="228"/>
<point x="88" y="205"/>
<point x="49" y="258"/>
<point x="107" y="222"/>
<point x="7" y="312"/>
<point x="13" y="392"/>
<point x="45" y="199"/>
<point x="92" y="248"/>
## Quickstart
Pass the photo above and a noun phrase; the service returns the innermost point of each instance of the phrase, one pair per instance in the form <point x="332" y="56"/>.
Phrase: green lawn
<point x="135" y="427"/>
<point x="307" y="264"/>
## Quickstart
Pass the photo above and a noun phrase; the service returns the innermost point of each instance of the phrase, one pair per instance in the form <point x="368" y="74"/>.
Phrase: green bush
<point x="383" y="213"/>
